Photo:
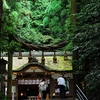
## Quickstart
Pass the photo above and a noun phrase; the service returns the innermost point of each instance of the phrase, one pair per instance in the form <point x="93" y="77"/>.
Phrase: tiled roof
<point x="61" y="65"/>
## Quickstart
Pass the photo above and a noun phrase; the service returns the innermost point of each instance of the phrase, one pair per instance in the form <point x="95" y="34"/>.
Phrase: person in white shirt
<point x="61" y="85"/>
<point x="42" y="88"/>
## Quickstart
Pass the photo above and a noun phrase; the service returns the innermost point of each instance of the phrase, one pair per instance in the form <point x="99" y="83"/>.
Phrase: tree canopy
<point x="40" y="22"/>
<point x="46" y="22"/>
<point x="87" y="42"/>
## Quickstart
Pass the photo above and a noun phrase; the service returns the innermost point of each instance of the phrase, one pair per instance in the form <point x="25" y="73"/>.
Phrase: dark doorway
<point x="27" y="90"/>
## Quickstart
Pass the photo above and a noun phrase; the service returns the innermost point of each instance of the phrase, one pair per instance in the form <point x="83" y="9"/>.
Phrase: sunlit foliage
<point x="41" y="22"/>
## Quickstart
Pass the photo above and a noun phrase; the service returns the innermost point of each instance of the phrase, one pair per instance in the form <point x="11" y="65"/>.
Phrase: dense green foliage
<point x="87" y="43"/>
<point x="41" y="22"/>
<point x="46" y="22"/>
<point x="3" y="97"/>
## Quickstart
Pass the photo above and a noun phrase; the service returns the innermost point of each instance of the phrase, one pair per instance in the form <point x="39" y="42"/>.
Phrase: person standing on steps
<point x="42" y="88"/>
<point x="61" y="85"/>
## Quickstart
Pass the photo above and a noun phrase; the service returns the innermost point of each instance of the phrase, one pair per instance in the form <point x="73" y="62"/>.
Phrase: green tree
<point x="87" y="41"/>
<point x="41" y="22"/>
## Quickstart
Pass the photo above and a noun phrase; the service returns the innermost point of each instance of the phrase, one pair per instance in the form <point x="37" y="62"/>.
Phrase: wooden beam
<point x="39" y="47"/>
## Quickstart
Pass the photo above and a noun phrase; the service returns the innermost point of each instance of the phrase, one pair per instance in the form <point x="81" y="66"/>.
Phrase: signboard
<point x="30" y="81"/>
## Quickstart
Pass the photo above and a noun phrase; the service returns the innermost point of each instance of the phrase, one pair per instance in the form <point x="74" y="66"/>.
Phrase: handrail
<point x="80" y="93"/>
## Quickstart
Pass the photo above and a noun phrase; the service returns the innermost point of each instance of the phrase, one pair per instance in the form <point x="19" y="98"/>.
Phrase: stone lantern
<point x="2" y="72"/>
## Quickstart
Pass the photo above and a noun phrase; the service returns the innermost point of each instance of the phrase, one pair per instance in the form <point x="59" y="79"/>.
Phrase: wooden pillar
<point x="74" y="56"/>
<point x="9" y="80"/>
<point x="1" y="4"/>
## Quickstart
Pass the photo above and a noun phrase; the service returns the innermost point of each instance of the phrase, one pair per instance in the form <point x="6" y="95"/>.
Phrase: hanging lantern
<point x="54" y="58"/>
<point x="65" y="56"/>
<point x="52" y="73"/>
<point x="43" y="59"/>
<point x="20" y="55"/>
<point x="30" y="58"/>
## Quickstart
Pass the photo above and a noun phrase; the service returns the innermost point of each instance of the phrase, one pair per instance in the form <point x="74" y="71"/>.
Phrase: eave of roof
<point x="61" y="65"/>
